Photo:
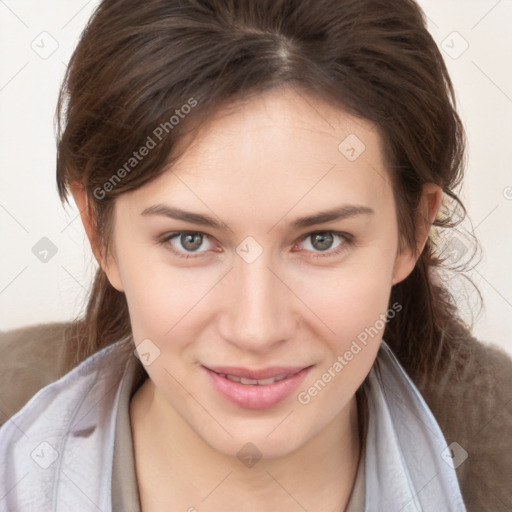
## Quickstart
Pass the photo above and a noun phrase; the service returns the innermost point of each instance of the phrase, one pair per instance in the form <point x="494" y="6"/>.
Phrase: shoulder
<point x="32" y="357"/>
<point x="472" y="402"/>
<point x="69" y="420"/>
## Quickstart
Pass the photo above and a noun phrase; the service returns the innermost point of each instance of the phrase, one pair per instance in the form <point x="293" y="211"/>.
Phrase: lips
<point x="255" y="389"/>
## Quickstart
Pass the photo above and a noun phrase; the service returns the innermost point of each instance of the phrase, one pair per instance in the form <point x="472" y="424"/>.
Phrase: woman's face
<point x="249" y="285"/>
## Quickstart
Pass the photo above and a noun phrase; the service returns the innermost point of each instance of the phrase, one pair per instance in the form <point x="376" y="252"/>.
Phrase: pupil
<point x="324" y="239"/>
<point x="189" y="243"/>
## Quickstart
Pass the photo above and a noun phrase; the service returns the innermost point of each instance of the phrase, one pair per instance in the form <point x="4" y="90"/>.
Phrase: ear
<point x="107" y="263"/>
<point x="430" y="203"/>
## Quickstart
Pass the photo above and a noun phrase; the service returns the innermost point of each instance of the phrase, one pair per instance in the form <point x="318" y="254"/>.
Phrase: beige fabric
<point x="30" y="358"/>
<point x="357" y="497"/>
<point x="472" y="402"/>
<point x="125" y="493"/>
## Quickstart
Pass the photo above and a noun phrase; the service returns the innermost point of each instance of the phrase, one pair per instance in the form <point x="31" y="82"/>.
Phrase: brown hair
<point x="139" y="63"/>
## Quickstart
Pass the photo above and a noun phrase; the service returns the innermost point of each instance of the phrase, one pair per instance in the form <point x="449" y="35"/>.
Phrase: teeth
<point x="248" y="381"/>
<point x="265" y="382"/>
<point x="259" y="382"/>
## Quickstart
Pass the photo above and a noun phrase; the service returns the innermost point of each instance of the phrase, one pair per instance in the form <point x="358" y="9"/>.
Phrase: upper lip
<point x="263" y="373"/>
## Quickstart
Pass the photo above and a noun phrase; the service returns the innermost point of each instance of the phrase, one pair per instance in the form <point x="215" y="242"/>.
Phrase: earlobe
<point x="111" y="270"/>
<point x="108" y="264"/>
<point x="427" y="211"/>
<point x="404" y="265"/>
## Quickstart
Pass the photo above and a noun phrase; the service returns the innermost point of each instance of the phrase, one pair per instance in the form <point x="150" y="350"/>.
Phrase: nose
<point x="258" y="307"/>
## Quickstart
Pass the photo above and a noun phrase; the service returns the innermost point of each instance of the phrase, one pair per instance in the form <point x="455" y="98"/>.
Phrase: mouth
<point x="254" y="382"/>
<point x="256" y="389"/>
<point x="238" y="374"/>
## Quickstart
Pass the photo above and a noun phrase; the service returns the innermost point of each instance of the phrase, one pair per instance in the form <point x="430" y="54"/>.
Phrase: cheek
<point x="355" y="310"/>
<point x="164" y="302"/>
<point x="350" y="298"/>
<point x="155" y="297"/>
<point x="156" y="304"/>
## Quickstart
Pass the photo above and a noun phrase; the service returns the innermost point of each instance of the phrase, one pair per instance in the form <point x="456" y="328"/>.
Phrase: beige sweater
<point x="472" y="404"/>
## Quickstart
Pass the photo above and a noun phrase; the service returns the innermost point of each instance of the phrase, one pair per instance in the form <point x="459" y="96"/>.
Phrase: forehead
<point x="284" y="124"/>
<point x="279" y="150"/>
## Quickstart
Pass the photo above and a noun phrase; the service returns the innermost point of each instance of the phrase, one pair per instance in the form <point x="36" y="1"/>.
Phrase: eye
<point x="326" y="243"/>
<point x="185" y="243"/>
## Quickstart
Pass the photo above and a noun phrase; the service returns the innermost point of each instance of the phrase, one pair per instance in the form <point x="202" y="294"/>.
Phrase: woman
<point x="258" y="181"/>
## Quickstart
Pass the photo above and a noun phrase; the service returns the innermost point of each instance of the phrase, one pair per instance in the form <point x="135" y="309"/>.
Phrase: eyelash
<point x="346" y="237"/>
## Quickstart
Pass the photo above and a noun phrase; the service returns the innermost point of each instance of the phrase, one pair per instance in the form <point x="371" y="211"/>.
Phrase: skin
<point x="257" y="167"/>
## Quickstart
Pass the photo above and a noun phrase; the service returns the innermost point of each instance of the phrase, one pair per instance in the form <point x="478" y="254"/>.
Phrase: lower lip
<point x="254" y="396"/>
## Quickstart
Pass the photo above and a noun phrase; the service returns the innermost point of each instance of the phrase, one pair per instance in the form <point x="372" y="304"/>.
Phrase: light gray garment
<point x="57" y="452"/>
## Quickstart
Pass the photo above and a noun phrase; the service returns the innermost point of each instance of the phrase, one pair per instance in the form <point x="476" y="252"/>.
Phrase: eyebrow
<point x="339" y="213"/>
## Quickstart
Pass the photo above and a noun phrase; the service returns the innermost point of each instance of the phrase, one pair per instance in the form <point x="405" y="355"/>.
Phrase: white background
<point x="32" y="291"/>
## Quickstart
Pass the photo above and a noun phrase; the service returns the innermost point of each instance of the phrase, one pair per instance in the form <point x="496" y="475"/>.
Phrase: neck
<point x="174" y="465"/>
